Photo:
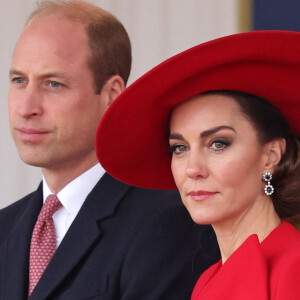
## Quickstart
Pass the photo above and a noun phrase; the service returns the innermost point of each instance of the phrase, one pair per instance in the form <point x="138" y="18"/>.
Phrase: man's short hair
<point x="110" y="48"/>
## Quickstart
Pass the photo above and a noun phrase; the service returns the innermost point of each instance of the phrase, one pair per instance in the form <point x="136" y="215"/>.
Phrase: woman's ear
<point x="274" y="151"/>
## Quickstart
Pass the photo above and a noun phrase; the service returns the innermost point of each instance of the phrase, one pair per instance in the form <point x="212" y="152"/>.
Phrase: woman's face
<point x="217" y="161"/>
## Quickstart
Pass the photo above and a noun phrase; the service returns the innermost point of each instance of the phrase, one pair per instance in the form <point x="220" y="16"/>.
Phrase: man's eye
<point x="18" y="80"/>
<point x="54" y="84"/>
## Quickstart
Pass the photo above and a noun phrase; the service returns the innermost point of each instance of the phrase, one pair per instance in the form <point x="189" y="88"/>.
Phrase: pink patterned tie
<point x="43" y="242"/>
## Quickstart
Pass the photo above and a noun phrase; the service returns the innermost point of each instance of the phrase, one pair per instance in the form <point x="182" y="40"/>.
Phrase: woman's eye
<point x="220" y="144"/>
<point x="178" y="149"/>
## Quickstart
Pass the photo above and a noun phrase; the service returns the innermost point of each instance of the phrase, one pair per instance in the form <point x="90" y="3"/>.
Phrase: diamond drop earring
<point x="269" y="189"/>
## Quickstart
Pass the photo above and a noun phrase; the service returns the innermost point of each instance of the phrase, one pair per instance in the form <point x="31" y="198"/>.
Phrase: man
<point x="113" y="241"/>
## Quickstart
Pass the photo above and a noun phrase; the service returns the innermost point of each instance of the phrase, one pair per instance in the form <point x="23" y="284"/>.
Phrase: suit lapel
<point x="16" y="250"/>
<point x="84" y="232"/>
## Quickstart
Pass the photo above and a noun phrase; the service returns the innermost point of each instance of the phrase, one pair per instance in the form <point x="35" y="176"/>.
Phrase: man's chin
<point x="33" y="160"/>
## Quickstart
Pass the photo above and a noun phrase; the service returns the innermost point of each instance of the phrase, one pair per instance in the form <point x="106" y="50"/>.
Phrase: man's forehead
<point x="62" y="36"/>
<point x="56" y="24"/>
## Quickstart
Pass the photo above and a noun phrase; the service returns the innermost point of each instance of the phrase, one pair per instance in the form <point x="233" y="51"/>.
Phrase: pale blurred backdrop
<point x="157" y="29"/>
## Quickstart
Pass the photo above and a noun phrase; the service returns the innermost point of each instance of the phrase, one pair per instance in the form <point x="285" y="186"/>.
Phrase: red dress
<point x="256" y="271"/>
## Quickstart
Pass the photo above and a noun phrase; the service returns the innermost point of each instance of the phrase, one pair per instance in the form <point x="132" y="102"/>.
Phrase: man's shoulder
<point x="144" y="204"/>
<point x="156" y="197"/>
<point x="16" y="206"/>
<point x="174" y="223"/>
<point x="10" y="214"/>
<point x="167" y="256"/>
<point x="127" y="199"/>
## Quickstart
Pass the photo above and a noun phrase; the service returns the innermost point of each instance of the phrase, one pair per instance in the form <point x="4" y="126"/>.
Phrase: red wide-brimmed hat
<point x="131" y="140"/>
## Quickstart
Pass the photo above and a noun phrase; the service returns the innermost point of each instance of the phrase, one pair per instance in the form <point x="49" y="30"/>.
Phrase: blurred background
<point x="158" y="29"/>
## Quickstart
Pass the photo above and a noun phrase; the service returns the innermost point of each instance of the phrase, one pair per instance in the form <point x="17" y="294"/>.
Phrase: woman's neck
<point x="232" y="233"/>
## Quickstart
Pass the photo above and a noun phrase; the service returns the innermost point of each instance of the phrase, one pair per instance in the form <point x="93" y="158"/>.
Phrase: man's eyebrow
<point x="52" y="74"/>
<point x="15" y="72"/>
<point x="214" y="130"/>
<point x="44" y="75"/>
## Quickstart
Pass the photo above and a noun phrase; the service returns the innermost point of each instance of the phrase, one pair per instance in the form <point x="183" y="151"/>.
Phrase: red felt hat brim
<point x="131" y="140"/>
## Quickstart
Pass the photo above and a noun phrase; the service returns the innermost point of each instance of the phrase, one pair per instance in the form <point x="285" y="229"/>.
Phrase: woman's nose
<point x="196" y="165"/>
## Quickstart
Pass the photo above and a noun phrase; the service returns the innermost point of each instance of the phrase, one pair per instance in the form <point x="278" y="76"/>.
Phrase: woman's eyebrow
<point x="175" y="136"/>
<point x="214" y="130"/>
<point x="208" y="132"/>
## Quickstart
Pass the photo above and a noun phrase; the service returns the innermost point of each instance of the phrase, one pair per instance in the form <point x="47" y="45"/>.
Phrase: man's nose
<point x="30" y="103"/>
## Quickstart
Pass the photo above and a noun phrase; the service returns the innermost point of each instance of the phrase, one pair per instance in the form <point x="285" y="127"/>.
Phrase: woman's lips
<point x="200" y="195"/>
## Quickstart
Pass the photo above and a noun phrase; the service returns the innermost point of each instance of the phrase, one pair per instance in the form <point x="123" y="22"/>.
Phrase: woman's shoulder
<point x="284" y="274"/>
<point x="283" y="249"/>
<point x="246" y="270"/>
<point x="282" y="244"/>
<point x="282" y="252"/>
<point x="257" y="269"/>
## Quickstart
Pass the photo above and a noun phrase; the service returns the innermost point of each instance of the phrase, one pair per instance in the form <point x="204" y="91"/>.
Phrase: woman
<point x="229" y="110"/>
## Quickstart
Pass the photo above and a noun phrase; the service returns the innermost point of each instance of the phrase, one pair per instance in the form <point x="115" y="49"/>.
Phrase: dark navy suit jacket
<point x="125" y="243"/>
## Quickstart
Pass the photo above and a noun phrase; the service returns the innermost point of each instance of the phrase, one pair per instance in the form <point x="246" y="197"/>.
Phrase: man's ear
<point x="274" y="151"/>
<point x="112" y="89"/>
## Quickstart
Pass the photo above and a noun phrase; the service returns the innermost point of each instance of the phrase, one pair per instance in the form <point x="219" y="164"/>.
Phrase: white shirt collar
<point x="73" y="195"/>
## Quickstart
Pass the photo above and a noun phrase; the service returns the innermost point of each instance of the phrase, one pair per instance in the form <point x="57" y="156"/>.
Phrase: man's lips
<point x="30" y="134"/>
<point x="200" y="195"/>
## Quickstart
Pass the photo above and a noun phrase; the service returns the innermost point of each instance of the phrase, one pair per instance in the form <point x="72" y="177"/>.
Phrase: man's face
<point x="53" y="110"/>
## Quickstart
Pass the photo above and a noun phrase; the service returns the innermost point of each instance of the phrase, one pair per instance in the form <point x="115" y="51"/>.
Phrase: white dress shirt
<point x="72" y="197"/>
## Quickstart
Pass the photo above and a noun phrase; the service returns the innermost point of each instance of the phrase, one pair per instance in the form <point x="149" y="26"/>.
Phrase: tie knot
<point x="51" y="205"/>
